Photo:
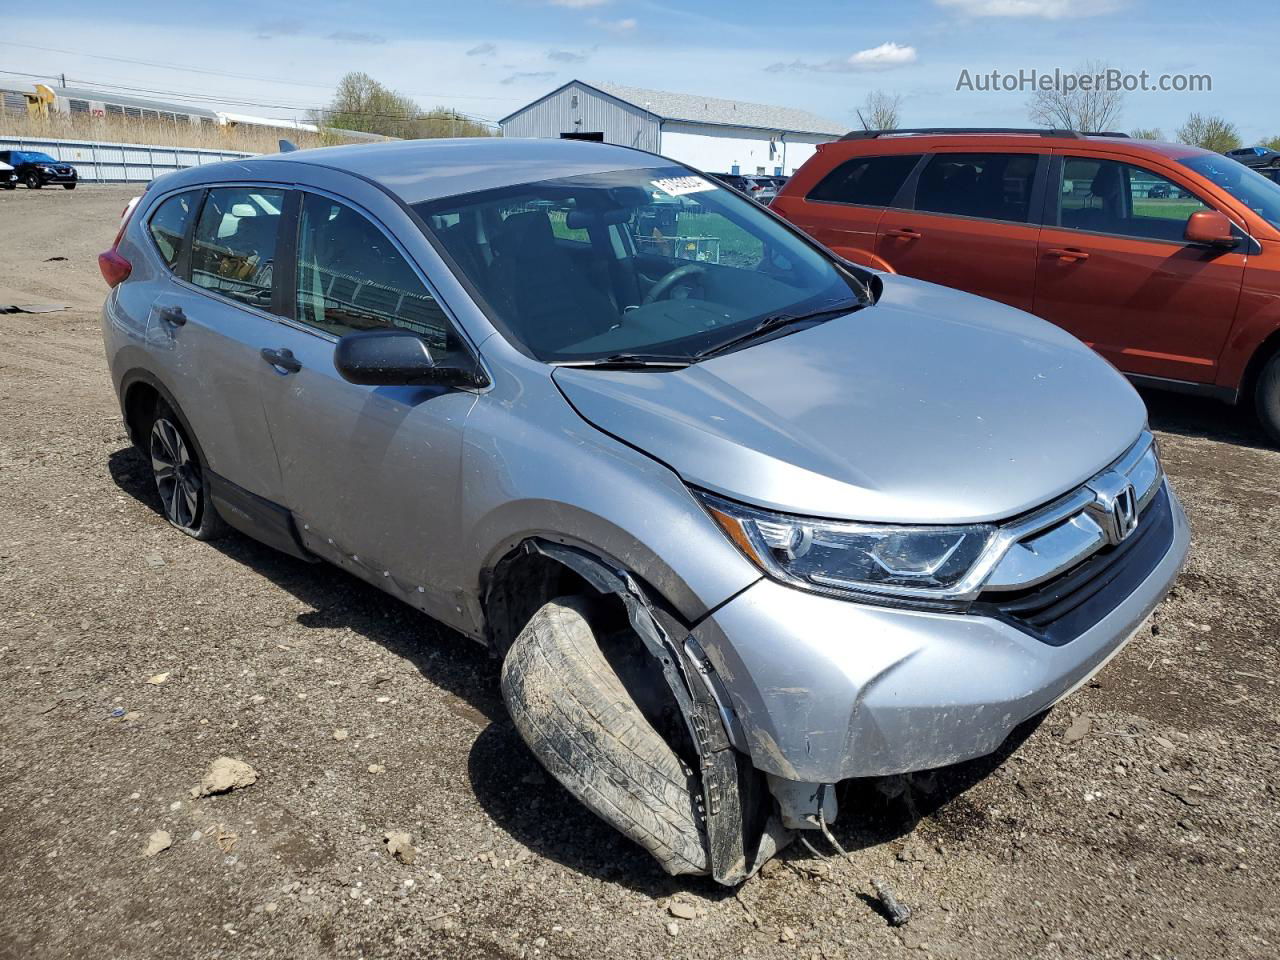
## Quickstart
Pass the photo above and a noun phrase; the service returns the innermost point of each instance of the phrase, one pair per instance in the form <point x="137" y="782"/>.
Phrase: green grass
<point x="1171" y="209"/>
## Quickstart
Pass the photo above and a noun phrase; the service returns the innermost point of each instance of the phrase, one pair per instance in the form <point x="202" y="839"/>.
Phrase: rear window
<point x="168" y="226"/>
<point x="868" y="181"/>
<point x="234" y="247"/>
<point x="991" y="186"/>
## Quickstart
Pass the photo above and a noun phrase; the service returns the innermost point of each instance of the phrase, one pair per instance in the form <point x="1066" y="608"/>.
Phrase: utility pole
<point x="63" y="77"/>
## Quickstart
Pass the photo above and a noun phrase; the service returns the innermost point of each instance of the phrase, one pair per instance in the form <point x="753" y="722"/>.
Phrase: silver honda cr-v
<point x="741" y="519"/>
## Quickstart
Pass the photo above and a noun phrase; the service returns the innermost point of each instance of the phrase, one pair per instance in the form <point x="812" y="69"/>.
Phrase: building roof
<point x="695" y="108"/>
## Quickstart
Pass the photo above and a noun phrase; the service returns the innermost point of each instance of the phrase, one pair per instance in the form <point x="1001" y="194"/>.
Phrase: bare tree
<point x="880" y="111"/>
<point x="1147" y="133"/>
<point x="1091" y="110"/>
<point x="1272" y="143"/>
<point x="1210" y="132"/>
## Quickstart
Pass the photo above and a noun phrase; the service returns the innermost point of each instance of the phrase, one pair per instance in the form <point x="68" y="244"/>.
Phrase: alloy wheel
<point x="177" y="474"/>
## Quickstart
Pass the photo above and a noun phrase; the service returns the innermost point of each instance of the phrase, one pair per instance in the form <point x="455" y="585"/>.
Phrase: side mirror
<point x="394" y="358"/>
<point x="1209" y="228"/>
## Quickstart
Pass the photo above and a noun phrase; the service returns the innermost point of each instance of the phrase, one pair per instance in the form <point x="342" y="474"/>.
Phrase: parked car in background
<point x="759" y="188"/>
<point x="762" y="189"/>
<point x="37" y="169"/>
<point x="737" y="181"/>
<point x="738" y="528"/>
<point x="8" y="179"/>
<point x="1164" y="258"/>
<point x="1255" y="156"/>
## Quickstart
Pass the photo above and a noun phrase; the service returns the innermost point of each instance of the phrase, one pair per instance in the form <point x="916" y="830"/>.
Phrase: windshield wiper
<point x="776" y="320"/>
<point x="631" y="361"/>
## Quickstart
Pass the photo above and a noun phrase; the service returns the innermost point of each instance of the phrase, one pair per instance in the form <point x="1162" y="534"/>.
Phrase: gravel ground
<point x="1138" y="819"/>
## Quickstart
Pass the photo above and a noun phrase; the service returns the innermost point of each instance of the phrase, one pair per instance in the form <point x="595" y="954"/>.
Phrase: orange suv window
<point x="867" y="181"/>
<point x="992" y="186"/>
<point x="1107" y="196"/>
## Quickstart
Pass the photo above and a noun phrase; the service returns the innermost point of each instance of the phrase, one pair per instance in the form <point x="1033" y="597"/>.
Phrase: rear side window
<point x="234" y="248"/>
<point x="168" y="226"/>
<point x="991" y="186"/>
<point x="868" y="181"/>
<point x="351" y="277"/>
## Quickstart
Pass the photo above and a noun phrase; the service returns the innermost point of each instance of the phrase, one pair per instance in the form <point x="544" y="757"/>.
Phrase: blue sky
<point x="488" y="57"/>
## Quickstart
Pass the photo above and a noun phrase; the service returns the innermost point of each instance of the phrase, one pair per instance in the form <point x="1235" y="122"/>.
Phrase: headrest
<point x="526" y="230"/>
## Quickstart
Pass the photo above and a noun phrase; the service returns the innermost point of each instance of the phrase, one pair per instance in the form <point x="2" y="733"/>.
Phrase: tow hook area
<point x="804" y="806"/>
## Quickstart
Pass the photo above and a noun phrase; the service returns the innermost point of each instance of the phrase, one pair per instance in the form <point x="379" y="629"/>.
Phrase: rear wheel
<point x="68" y="186"/>
<point x="181" y="481"/>
<point x="1267" y="397"/>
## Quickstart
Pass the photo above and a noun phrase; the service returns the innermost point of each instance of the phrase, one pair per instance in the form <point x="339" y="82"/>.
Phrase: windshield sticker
<point x="679" y="186"/>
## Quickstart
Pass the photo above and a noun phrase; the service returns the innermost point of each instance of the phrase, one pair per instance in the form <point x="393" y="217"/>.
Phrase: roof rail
<point x="924" y="131"/>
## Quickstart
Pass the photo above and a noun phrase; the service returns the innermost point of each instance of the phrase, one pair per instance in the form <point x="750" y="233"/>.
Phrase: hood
<point x="931" y="406"/>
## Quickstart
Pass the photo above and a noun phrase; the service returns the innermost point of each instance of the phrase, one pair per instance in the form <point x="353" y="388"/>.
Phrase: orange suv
<point x="1164" y="258"/>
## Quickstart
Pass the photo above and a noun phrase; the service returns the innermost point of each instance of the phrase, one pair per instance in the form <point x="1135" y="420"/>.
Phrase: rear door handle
<point x="282" y="359"/>
<point x="907" y="233"/>
<point x="1069" y="254"/>
<point x="172" y="315"/>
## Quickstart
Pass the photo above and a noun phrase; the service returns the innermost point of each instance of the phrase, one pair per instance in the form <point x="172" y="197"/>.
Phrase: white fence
<point x="98" y="162"/>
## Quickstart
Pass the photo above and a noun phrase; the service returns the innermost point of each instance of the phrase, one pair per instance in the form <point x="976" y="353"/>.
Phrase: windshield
<point x="654" y="261"/>
<point x="1251" y="188"/>
<point x="35" y="157"/>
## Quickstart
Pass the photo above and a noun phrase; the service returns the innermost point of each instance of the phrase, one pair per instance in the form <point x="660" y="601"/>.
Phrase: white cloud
<point x="1042" y="9"/>
<point x="887" y="56"/>
<point x="625" y="25"/>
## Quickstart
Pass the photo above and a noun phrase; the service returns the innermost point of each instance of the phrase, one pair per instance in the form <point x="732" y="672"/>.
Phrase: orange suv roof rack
<point x="961" y="131"/>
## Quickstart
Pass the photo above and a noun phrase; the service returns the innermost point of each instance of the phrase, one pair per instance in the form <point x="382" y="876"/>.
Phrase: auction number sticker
<point x="679" y="186"/>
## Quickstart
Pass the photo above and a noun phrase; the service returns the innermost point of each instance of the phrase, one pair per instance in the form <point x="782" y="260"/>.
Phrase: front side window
<point x="168" y="226"/>
<point x="234" y="247"/>
<point x="1255" y="191"/>
<point x="1107" y="196"/>
<point x="351" y="277"/>
<point x="652" y="260"/>
<point x="867" y="181"/>
<point x="992" y="186"/>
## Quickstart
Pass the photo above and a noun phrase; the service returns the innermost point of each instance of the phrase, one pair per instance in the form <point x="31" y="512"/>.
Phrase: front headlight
<point x="914" y="565"/>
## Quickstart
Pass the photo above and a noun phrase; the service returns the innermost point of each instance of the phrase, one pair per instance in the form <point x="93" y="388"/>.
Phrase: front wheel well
<point x="519" y="585"/>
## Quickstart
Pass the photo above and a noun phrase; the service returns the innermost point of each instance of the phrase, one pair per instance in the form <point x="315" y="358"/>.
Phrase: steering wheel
<point x="673" y="278"/>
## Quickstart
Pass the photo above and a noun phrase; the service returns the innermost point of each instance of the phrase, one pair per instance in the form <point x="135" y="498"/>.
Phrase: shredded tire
<point x="584" y="728"/>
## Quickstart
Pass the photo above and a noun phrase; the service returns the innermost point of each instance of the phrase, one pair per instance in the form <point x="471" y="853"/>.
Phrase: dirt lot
<point x="1155" y="834"/>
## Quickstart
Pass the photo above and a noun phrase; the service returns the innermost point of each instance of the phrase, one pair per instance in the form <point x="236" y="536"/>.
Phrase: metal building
<point x="719" y="136"/>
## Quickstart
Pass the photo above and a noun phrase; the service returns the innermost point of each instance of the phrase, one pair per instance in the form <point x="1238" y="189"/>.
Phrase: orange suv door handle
<point x="907" y="233"/>
<point x="1069" y="254"/>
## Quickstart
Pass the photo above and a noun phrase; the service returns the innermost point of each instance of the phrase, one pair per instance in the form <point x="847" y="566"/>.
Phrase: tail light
<point x="115" y="268"/>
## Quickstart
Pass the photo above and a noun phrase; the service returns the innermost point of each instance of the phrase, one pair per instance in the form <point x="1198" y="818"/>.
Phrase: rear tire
<point x="68" y="186"/>
<point x="578" y="719"/>
<point x="1267" y="397"/>
<point x="181" y="481"/>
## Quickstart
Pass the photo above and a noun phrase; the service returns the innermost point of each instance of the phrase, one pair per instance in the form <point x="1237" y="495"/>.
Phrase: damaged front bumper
<point x="823" y="689"/>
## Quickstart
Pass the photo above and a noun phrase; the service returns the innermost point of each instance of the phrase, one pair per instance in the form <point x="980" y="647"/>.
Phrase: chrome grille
<point x="1064" y="534"/>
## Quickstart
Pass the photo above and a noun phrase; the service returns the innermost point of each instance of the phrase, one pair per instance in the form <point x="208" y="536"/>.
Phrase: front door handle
<point x="1067" y="254"/>
<point x="172" y="315"/>
<point x="282" y="359"/>
<point x="906" y="233"/>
